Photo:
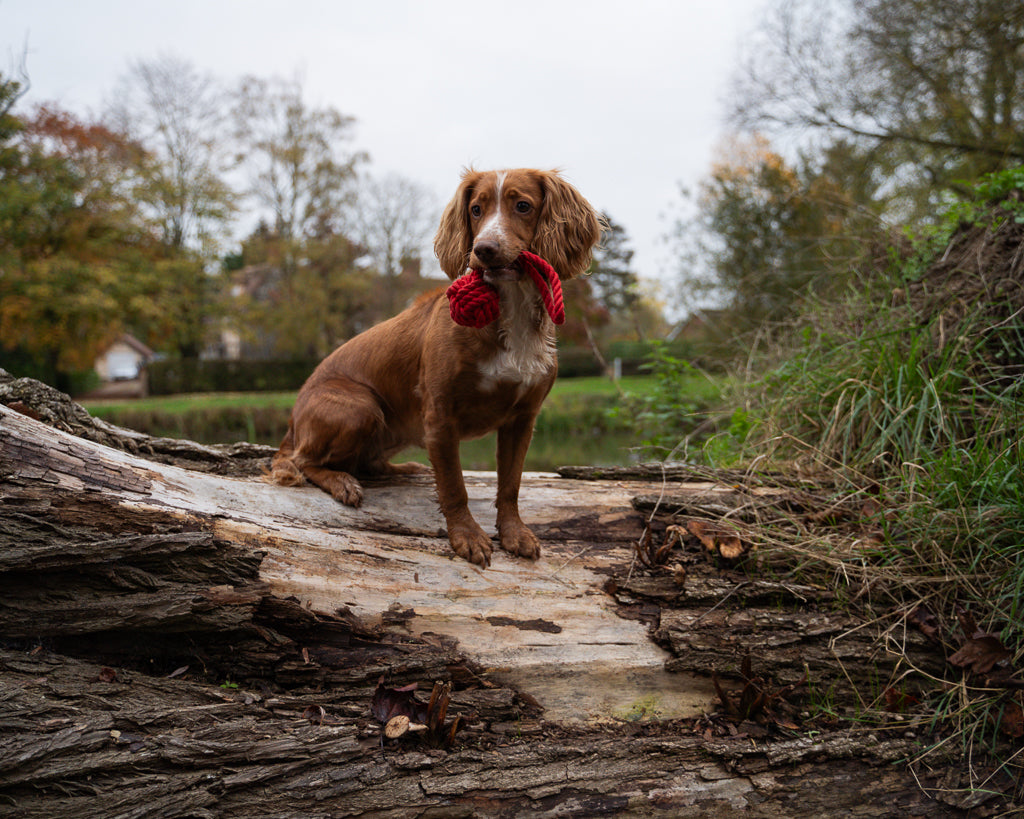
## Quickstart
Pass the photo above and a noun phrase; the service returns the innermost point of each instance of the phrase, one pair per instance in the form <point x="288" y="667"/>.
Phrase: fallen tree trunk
<point x="182" y="643"/>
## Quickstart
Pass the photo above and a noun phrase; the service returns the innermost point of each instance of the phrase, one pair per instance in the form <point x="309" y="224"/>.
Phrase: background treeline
<point x="183" y="375"/>
<point x="853" y="124"/>
<point x="129" y="221"/>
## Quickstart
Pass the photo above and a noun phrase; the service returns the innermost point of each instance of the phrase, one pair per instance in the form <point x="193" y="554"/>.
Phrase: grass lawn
<point x="192" y="401"/>
<point x="567" y="388"/>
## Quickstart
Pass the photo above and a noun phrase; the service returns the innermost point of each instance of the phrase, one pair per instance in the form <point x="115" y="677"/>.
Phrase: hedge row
<point x="198" y="375"/>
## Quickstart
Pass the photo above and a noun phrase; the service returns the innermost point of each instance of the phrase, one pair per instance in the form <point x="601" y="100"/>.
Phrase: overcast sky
<point x="626" y="96"/>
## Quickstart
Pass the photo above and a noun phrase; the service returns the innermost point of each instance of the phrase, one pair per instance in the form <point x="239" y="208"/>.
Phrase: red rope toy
<point x="474" y="303"/>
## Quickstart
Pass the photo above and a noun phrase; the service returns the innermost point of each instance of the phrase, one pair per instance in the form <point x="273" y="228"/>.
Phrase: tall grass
<point x="922" y="407"/>
<point x="936" y="433"/>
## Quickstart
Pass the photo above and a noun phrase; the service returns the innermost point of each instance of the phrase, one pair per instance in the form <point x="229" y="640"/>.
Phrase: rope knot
<point x="474" y="303"/>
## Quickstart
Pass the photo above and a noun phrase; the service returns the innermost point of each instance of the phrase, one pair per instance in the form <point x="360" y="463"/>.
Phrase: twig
<point x="647" y="526"/>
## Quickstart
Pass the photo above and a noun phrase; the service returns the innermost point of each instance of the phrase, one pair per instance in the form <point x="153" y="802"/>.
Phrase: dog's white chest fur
<point x="527" y="353"/>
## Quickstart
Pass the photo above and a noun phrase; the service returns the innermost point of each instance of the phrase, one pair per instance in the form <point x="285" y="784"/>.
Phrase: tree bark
<point x="178" y="642"/>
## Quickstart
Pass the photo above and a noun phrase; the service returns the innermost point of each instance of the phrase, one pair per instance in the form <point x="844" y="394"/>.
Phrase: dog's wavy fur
<point x="421" y="379"/>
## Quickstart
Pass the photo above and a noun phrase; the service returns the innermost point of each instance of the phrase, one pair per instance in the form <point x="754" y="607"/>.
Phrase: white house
<point x="123" y="360"/>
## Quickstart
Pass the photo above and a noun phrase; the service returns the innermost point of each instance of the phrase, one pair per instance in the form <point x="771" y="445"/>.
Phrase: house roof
<point x="135" y="344"/>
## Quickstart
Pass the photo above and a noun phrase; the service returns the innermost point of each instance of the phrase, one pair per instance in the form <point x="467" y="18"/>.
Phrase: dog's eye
<point x="522" y="206"/>
<point x="476" y="210"/>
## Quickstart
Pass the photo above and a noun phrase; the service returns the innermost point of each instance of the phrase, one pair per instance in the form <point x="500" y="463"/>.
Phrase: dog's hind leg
<point x="336" y="433"/>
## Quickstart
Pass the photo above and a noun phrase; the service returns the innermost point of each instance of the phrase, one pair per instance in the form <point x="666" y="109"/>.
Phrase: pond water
<point x="548" y="450"/>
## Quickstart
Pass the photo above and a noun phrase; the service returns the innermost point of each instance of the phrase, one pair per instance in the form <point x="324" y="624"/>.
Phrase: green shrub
<point x="672" y="407"/>
<point x="191" y="375"/>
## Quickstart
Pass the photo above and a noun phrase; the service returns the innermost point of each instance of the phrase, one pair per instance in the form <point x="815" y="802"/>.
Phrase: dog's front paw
<point x="471" y="543"/>
<point x="517" y="539"/>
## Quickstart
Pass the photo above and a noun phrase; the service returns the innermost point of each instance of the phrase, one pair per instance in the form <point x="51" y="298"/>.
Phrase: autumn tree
<point x="393" y="218"/>
<point x="179" y="114"/>
<point x="936" y="90"/>
<point x="73" y="239"/>
<point x="302" y="177"/>
<point x="613" y="281"/>
<point x="301" y="310"/>
<point x="296" y="157"/>
<point x="766" y="233"/>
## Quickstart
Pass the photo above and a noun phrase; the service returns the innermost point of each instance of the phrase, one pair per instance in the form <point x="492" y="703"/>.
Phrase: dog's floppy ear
<point x="568" y="229"/>
<point x="454" y="239"/>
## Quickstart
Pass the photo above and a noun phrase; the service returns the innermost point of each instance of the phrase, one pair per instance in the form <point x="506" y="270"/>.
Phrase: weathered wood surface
<point x="549" y="620"/>
<point x="157" y="747"/>
<point x="572" y="675"/>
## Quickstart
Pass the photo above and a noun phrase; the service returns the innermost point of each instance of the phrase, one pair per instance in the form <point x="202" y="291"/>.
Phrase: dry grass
<point x="908" y="399"/>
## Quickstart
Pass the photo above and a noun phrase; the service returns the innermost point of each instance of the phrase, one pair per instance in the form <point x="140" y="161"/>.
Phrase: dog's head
<point x="495" y="215"/>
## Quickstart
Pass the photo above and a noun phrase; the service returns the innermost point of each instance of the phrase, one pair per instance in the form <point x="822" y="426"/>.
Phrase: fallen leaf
<point x="898" y="701"/>
<point x="390" y="702"/>
<point x="107" y="675"/>
<point x="1011" y="722"/>
<point x="757" y="698"/>
<point x="730" y="547"/>
<point x="651" y="555"/>
<point x="25" y="410"/>
<point x="981" y="650"/>
<point x="312" y="711"/>
<point x="717" y="539"/>
<point x="699" y="529"/>
<point x="870" y="508"/>
<point x="926" y="621"/>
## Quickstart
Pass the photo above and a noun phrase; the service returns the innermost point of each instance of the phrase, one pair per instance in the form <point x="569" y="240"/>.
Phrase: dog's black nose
<point x="486" y="251"/>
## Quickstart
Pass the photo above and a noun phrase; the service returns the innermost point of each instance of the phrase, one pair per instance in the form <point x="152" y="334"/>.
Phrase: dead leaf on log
<point x="651" y="555"/>
<point x="717" y="539"/>
<point x="389" y="702"/>
<point x="1011" y="720"/>
<point x="25" y="410"/>
<point x="314" y="711"/>
<point x="926" y="622"/>
<point x="981" y="651"/>
<point x="897" y="701"/>
<point x="106" y="675"/>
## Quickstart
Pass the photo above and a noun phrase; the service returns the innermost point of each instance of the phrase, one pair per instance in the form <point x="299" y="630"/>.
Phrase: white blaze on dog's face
<point x="503" y="212"/>
<point x="495" y="215"/>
